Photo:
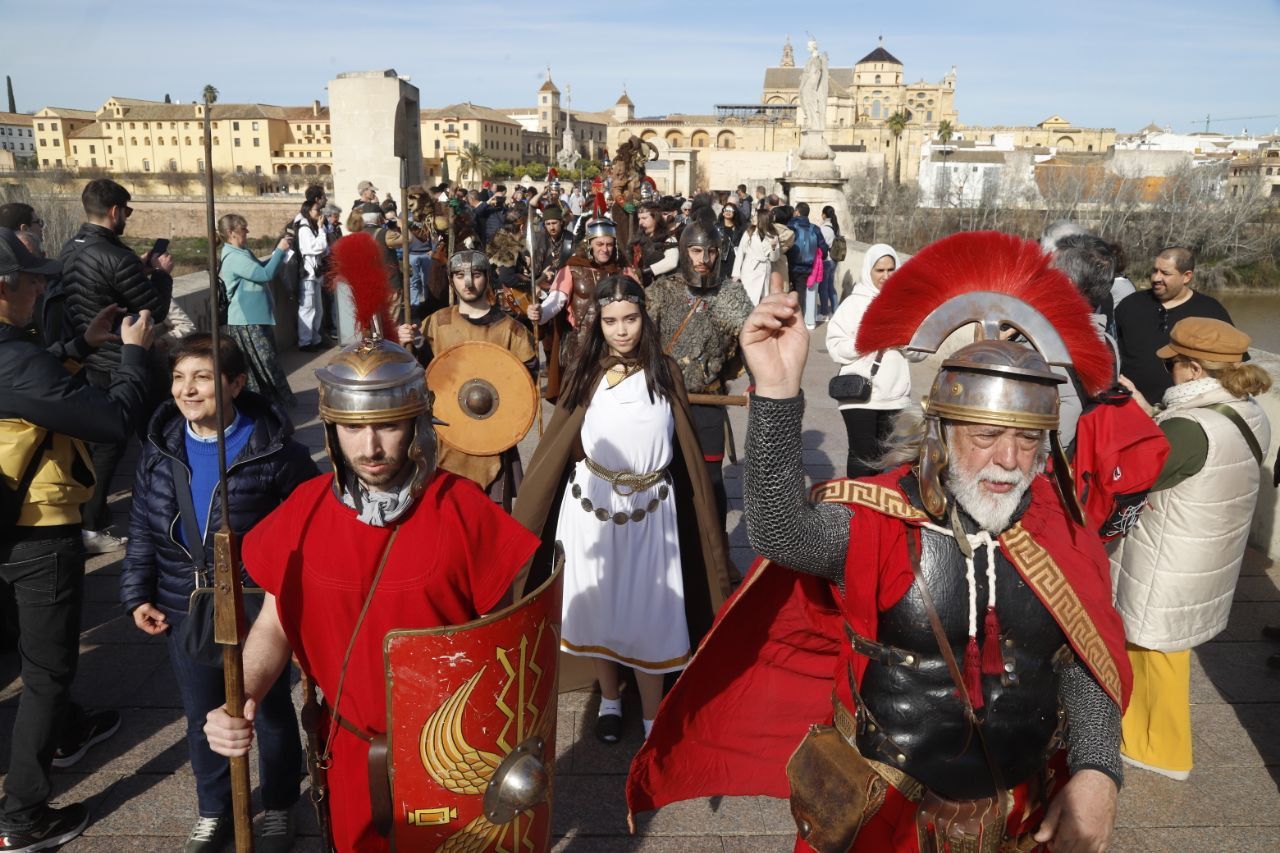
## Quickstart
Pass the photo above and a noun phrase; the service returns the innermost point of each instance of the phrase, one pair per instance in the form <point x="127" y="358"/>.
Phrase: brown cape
<point x="703" y="558"/>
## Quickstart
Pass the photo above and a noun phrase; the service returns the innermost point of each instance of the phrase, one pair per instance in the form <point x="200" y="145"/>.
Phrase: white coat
<point x="756" y="255"/>
<point x="891" y="387"/>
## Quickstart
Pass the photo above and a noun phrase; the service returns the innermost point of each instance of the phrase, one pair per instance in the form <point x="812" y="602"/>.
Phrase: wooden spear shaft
<point x="405" y="237"/>
<point x="228" y="599"/>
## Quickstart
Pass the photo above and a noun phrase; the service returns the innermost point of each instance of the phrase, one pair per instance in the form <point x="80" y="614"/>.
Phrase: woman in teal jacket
<point x="249" y="315"/>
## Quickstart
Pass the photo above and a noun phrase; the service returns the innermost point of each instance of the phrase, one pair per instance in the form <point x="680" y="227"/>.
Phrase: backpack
<point x="1119" y="452"/>
<point x="839" y="248"/>
<point x="805" y="246"/>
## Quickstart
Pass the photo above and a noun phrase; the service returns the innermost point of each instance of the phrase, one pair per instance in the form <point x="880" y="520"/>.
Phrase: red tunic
<point x="453" y="560"/>
<point x="766" y="671"/>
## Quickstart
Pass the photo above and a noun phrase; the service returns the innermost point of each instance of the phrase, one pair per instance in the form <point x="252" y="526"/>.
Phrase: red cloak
<point x="766" y="670"/>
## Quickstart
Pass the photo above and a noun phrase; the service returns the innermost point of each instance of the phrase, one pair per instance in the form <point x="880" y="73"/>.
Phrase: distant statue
<point x="814" y="85"/>
<point x="568" y="155"/>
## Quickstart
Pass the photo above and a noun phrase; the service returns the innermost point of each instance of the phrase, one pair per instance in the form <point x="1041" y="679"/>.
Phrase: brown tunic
<point x="447" y="328"/>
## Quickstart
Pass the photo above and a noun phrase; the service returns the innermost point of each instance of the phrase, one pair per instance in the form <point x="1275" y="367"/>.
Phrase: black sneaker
<point x="54" y="828"/>
<point x="210" y="835"/>
<point x="91" y="727"/>
<point x="609" y="727"/>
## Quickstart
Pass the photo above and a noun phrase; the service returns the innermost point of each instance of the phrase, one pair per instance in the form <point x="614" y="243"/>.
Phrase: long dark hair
<point x="830" y="213"/>
<point x="585" y="375"/>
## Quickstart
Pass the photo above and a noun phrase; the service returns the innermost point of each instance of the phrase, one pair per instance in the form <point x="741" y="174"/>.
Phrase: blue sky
<point x="1117" y="64"/>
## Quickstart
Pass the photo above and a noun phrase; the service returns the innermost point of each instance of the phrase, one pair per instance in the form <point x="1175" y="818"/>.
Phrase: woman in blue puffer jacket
<point x="179" y="460"/>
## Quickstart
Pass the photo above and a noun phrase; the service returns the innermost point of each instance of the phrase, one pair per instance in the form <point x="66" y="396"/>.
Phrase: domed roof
<point x="624" y="100"/>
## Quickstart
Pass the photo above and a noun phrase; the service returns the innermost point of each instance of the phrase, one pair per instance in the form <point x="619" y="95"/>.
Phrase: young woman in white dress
<point x="608" y="478"/>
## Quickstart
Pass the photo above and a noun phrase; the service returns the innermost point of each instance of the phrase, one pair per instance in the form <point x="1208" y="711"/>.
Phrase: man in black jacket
<point x="46" y="416"/>
<point x="99" y="270"/>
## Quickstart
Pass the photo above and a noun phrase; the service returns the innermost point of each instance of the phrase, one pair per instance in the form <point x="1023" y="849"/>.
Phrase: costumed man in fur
<point x="950" y="617"/>
<point x="475" y="316"/>
<point x="386" y="541"/>
<point x="509" y="258"/>
<point x="453" y="231"/>
<point x="699" y="313"/>
<point x="617" y="481"/>
<point x="570" y="307"/>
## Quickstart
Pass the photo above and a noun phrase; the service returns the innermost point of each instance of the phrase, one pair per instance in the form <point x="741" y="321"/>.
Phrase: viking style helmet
<point x="468" y="261"/>
<point x="373" y="381"/>
<point x="999" y="282"/>
<point x="708" y="237"/>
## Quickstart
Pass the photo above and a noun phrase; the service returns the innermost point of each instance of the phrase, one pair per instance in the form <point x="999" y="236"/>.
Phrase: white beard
<point x="992" y="511"/>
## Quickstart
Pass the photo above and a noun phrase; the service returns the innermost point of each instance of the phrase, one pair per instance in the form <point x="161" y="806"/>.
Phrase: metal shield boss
<point x="484" y="394"/>
<point x="471" y="723"/>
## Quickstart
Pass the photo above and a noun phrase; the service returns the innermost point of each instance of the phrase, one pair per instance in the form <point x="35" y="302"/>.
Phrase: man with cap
<point x="573" y="299"/>
<point x="948" y="617"/>
<point x="475" y="316"/>
<point x="46" y="417"/>
<point x="387" y="541"/>
<point x="1143" y="320"/>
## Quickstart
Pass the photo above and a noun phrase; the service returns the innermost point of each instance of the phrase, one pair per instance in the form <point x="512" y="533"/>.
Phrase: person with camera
<point x="250" y="317"/>
<point x="170" y="551"/>
<point x="98" y="270"/>
<point x="47" y="419"/>
<point x="871" y="387"/>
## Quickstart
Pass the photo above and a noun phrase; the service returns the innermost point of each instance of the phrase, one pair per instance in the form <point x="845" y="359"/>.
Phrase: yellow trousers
<point x="1157" y="726"/>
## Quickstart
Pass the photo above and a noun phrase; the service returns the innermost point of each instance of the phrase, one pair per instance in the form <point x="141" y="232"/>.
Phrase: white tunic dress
<point x="623" y="588"/>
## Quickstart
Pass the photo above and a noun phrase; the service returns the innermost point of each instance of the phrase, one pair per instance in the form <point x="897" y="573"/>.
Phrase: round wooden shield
<point x="484" y="395"/>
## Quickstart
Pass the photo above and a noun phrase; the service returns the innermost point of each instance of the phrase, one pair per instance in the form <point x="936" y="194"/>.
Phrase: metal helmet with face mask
<point x="708" y="239"/>
<point x="1002" y="284"/>
<point x="468" y="262"/>
<point x="373" y="381"/>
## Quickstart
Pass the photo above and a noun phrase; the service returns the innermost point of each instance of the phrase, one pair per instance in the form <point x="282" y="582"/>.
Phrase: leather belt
<point x="884" y="654"/>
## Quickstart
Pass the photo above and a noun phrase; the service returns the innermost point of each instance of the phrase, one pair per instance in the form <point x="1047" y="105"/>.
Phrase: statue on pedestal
<point x="815" y="84"/>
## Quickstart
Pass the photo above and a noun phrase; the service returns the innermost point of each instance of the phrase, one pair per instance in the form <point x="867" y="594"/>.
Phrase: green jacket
<point x="247" y="281"/>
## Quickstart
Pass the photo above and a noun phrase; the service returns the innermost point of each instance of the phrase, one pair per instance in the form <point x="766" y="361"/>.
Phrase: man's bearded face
<point x="990" y="469"/>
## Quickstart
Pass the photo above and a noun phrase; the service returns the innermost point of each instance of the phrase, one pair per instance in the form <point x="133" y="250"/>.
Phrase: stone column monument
<point x="376" y="123"/>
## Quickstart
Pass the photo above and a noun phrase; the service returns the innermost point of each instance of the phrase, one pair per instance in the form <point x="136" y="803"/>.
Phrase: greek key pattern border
<point x="1044" y="576"/>
<point x="871" y="495"/>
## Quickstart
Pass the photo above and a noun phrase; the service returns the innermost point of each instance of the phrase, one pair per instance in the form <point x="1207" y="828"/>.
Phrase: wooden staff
<point x="534" y="275"/>
<point x="228" y="599"/>
<point x="405" y="237"/>
<point x="717" y="400"/>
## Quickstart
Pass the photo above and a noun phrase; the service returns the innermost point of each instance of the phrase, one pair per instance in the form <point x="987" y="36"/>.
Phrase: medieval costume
<point x="499" y="475"/>
<point x="570" y="306"/>
<point x="618" y="483"/>
<point x="889" y="581"/>
<point x="699" y="317"/>
<point x="347" y="564"/>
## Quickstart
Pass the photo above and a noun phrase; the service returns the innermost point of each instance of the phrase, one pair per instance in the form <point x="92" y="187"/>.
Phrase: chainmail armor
<point x="781" y="523"/>
<point x="1093" y="721"/>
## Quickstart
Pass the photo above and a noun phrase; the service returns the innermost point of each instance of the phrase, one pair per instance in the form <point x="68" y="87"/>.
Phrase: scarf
<point x="379" y="509"/>
<point x="1178" y="394"/>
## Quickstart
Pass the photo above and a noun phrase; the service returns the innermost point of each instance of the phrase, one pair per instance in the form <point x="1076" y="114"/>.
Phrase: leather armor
<point x="583" y="299"/>
<point x="912" y="708"/>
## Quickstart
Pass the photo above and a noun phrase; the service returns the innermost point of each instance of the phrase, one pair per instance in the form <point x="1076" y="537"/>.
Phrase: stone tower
<point x="624" y="110"/>
<point x="549" y="108"/>
<point x="788" y="57"/>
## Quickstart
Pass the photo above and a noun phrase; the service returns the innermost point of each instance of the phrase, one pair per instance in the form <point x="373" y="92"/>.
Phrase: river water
<point x="1258" y="315"/>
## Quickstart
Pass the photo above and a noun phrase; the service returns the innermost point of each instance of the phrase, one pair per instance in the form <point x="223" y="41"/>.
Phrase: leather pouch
<point x="960" y="826"/>
<point x="834" y="791"/>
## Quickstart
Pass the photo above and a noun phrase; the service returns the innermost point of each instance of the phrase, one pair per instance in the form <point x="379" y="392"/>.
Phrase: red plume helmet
<point x="987" y="261"/>
<point x="358" y="260"/>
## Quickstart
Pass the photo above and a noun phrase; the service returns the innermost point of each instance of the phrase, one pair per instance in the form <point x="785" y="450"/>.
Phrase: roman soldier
<point x="949" y="619"/>
<point x="452" y="231"/>
<point x="377" y="547"/>
<point x="699" y="313"/>
<point x="474" y="316"/>
<point x="572" y="299"/>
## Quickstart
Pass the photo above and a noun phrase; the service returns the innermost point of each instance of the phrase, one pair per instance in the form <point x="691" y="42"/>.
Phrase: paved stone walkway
<point x="140" y="788"/>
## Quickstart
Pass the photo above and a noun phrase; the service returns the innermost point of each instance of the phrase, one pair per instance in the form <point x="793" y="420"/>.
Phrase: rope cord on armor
<point x="334" y="717"/>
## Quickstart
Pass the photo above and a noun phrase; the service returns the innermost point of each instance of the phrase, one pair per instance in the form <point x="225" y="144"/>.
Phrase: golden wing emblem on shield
<point x="451" y="761"/>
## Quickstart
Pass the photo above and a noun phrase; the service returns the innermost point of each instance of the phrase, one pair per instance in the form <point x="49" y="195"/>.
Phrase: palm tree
<point x="474" y="163"/>
<point x="210" y="94"/>
<point x="897" y="123"/>
<point x="944" y="134"/>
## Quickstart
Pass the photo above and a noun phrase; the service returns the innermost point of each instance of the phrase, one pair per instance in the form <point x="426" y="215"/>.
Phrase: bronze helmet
<point x="699" y="234"/>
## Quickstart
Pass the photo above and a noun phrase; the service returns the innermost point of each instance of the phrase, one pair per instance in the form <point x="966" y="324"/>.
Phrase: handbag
<point x="194" y="634"/>
<point x="834" y="790"/>
<point x="854" y="387"/>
